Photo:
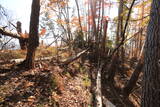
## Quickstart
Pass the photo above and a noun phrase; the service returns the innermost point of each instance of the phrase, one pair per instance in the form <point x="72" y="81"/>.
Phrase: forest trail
<point x="74" y="93"/>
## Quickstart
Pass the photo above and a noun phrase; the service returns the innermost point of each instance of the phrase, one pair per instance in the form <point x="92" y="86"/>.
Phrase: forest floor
<point x="52" y="85"/>
<point x="48" y="86"/>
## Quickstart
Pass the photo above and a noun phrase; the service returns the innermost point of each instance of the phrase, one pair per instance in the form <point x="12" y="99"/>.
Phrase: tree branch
<point x="124" y="31"/>
<point x="73" y="58"/>
<point x="10" y="34"/>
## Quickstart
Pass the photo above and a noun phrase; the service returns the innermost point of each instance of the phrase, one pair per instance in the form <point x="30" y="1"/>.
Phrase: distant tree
<point x="151" y="80"/>
<point x="5" y="17"/>
<point x="33" y="34"/>
<point x="78" y="14"/>
<point x="2" y="12"/>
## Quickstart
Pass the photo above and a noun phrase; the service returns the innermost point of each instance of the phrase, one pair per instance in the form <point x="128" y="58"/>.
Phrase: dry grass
<point x="6" y="55"/>
<point x="12" y="54"/>
<point x="46" y="52"/>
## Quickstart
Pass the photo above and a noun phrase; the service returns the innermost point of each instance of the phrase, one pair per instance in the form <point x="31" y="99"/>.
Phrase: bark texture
<point x="151" y="82"/>
<point x="33" y="34"/>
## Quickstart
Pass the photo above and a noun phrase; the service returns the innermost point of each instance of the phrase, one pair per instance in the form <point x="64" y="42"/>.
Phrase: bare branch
<point x="10" y="34"/>
<point x="73" y="58"/>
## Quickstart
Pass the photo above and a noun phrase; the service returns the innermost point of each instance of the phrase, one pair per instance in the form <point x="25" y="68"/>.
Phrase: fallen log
<point x="127" y="90"/>
<point x="107" y="103"/>
<point x="73" y="58"/>
<point x="2" y="62"/>
<point x="98" y="93"/>
<point x="10" y="34"/>
<point x="66" y="62"/>
<point x="37" y="59"/>
<point x="133" y="80"/>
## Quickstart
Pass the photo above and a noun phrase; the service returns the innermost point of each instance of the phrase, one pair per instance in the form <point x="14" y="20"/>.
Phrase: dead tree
<point x="9" y="33"/>
<point x="134" y="78"/>
<point x="73" y="58"/>
<point x="132" y="82"/>
<point x="33" y="34"/>
<point x="22" y="41"/>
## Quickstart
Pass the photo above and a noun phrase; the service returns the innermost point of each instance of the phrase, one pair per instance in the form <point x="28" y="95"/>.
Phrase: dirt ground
<point x="45" y="87"/>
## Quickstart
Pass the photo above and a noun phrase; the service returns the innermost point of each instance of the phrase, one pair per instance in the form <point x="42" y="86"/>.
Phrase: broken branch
<point x="10" y="34"/>
<point x="73" y="58"/>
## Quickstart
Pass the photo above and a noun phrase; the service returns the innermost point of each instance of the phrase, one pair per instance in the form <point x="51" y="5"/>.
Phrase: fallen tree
<point x="10" y="34"/>
<point x="98" y="91"/>
<point x="73" y="58"/>
<point x="134" y="78"/>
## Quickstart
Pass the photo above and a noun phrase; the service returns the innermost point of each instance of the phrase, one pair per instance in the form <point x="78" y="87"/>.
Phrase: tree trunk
<point x="120" y="23"/>
<point x="122" y="54"/>
<point x="22" y="42"/>
<point x="79" y="18"/>
<point x="134" y="78"/>
<point x="113" y="68"/>
<point x="115" y="63"/>
<point x="104" y="38"/>
<point x="33" y="34"/>
<point x="151" y="78"/>
<point x="132" y="82"/>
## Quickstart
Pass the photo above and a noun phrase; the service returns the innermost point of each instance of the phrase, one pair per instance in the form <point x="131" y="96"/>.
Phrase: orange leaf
<point x="43" y="31"/>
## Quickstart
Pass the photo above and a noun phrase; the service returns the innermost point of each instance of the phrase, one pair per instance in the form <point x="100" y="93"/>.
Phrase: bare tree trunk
<point x="134" y="78"/>
<point x="132" y="82"/>
<point x="22" y="42"/>
<point x="79" y="18"/>
<point x="141" y="26"/>
<point x="104" y="38"/>
<point x="120" y="23"/>
<point x="70" y="38"/>
<point x="33" y="34"/>
<point x="151" y="77"/>
<point x="112" y="69"/>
